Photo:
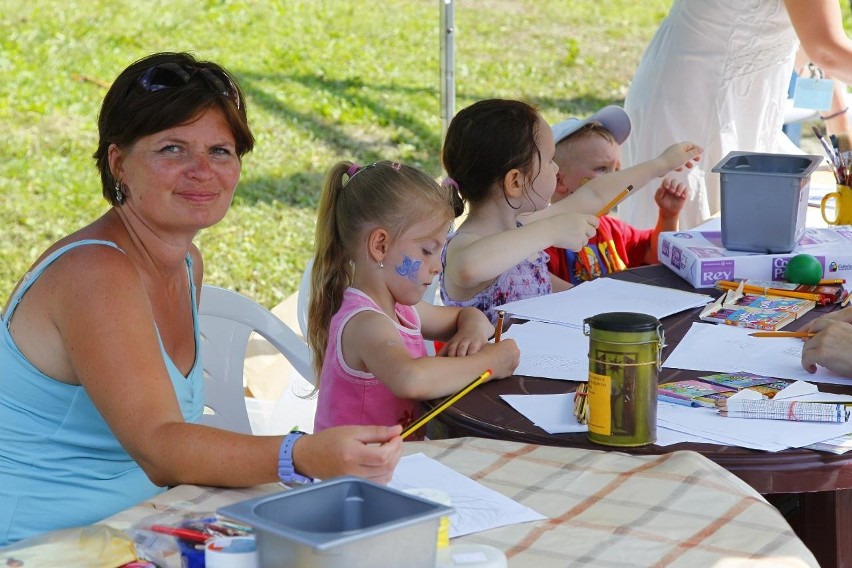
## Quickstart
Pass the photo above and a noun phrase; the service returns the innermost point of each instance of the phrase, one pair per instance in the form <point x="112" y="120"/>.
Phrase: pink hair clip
<point x="450" y="182"/>
<point x="396" y="166"/>
<point x="353" y="169"/>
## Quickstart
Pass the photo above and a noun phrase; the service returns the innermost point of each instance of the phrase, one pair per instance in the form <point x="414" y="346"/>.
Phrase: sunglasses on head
<point x="172" y="75"/>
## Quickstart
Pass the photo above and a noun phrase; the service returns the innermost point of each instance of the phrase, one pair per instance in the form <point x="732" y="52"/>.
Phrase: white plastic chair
<point x="304" y="297"/>
<point x="227" y="319"/>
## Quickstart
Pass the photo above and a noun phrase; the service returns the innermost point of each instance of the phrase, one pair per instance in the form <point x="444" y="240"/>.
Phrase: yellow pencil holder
<point x="842" y="199"/>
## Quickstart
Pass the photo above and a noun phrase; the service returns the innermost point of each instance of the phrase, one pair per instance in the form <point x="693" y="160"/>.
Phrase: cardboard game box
<point x="699" y="257"/>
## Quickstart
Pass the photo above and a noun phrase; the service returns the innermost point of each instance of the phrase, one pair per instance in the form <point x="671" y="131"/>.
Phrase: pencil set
<point x="822" y="294"/>
<point x="754" y="311"/>
<point x="709" y="390"/>
<point x="784" y="410"/>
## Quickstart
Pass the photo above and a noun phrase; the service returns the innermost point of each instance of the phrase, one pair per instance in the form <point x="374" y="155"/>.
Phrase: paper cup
<point x="231" y="552"/>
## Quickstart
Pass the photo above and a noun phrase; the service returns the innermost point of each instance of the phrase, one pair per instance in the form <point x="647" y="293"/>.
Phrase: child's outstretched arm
<point x="474" y="261"/>
<point x="670" y="198"/>
<point x="371" y="343"/>
<point x="598" y="192"/>
<point x="464" y="330"/>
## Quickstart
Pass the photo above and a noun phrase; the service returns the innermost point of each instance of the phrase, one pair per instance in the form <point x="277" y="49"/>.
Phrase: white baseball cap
<point x="611" y="117"/>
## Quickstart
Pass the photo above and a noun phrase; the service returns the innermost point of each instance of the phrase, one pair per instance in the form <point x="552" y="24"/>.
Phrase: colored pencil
<point x="624" y="193"/>
<point x="729" y="285"/>
<point x="581" y="403"/>
<point x="498" y="329"/>
<point x="831" y="281"/>
<point x="805" y="334"/>
<point x="446" y="403"/>
<point x="191" y="535"/>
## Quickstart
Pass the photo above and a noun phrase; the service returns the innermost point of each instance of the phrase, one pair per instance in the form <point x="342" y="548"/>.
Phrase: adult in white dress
<point x="717" y="72"/>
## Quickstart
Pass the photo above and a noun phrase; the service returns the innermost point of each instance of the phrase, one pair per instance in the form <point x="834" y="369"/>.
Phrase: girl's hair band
<point x="354" y="169"/>
<point x="450" y="182"/>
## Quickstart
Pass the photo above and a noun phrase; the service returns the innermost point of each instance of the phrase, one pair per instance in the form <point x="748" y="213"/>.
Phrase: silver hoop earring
<point x="119" y="193"/>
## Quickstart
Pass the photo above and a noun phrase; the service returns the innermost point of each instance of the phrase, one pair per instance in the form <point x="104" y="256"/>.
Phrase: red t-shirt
<point x="615" y="247"/>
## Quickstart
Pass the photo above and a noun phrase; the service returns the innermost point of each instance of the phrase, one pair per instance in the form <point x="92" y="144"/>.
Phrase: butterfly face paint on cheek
<point x="409" y="268"/>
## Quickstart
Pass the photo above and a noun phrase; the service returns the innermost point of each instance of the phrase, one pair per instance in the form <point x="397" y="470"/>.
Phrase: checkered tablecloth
<point x="605" y="508"/>
<point x="611" y="509"/>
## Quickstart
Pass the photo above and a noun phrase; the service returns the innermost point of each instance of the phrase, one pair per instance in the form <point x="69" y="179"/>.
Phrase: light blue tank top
<point x="60" y="464"/>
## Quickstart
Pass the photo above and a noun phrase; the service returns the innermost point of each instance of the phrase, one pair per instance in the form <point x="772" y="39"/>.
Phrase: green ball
<point x="804" y="269"/>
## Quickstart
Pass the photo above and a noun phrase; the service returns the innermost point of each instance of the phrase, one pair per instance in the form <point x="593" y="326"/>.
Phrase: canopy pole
<point x="448" y="63"/>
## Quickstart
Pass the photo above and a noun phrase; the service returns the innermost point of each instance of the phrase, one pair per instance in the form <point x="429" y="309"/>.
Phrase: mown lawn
<point x="325" y="80"/>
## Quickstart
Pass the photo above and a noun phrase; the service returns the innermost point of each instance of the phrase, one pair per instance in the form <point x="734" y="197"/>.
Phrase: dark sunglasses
<point x="171" y="75"/>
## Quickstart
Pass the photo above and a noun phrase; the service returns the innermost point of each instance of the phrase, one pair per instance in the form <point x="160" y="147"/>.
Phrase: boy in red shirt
<point x="586" y="149"/>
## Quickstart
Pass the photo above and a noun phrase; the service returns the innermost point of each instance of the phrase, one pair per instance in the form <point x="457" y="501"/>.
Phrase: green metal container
<point x="625" y="350"/>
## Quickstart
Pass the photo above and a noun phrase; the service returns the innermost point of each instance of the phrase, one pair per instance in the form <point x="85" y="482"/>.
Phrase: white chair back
<point x="227" y="319"/>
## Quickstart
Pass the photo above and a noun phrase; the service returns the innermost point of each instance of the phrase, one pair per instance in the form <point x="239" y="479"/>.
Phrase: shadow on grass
<point x="302" y="189"/>
<point x="580" y="106"/>
<point x="345" y="90"/>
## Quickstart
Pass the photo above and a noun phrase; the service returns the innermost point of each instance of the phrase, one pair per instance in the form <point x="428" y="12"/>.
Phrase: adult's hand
<point x="831" y="347"/>
<point x="371" y="452"/>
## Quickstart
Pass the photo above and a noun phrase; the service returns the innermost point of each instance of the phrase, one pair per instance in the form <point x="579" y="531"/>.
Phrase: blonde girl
<point x="380" y="232"/>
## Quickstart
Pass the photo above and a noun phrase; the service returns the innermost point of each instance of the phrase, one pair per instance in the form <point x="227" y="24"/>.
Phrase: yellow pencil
<point x="806" y="334"/>
<point x="730" y="285"/>
<point x="449" y="401"/>
<point x="624" y="193"/>
<point x="498" y="329"/>
<point x="831" y="281"/>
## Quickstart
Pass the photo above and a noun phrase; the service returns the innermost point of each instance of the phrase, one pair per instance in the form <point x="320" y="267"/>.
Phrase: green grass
<point x="325" y="80"/>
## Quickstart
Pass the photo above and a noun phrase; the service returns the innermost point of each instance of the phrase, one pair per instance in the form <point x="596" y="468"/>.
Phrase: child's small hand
<point x="573" y="230"/>
<point x="670" y="197"/>
<point x="680" y="155"/>
<point x="505" y="357"/>
<point x="462" y="344"/>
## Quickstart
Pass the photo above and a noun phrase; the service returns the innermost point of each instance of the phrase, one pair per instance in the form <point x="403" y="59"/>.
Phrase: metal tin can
<point x="625" y="350"/>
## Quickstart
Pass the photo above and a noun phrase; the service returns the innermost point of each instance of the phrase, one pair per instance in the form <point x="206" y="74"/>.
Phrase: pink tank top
<point x="348" y="396"/>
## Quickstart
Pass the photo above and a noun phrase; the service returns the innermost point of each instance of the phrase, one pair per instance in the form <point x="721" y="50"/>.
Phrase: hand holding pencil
<point x="570" y="231"/>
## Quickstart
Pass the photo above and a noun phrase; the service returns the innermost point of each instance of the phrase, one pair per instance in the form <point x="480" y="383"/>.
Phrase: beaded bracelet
<point x="834" y="114"/>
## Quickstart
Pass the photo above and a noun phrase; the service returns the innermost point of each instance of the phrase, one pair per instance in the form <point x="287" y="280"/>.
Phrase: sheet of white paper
<point x="551" y="351"/>
<point x="601" y="295"/>
<point x="666" y="410"/>
<point x="477" y="508"/>
<point x="667" y="437"/>
<point x="553" y="413"/>
<point x="730" y="349"/>
<point x="770" y="435"/>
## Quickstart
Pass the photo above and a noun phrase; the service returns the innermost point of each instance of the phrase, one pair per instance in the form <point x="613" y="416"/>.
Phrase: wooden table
<point x="603" y="509"/>
<point x="817" y="484"/>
